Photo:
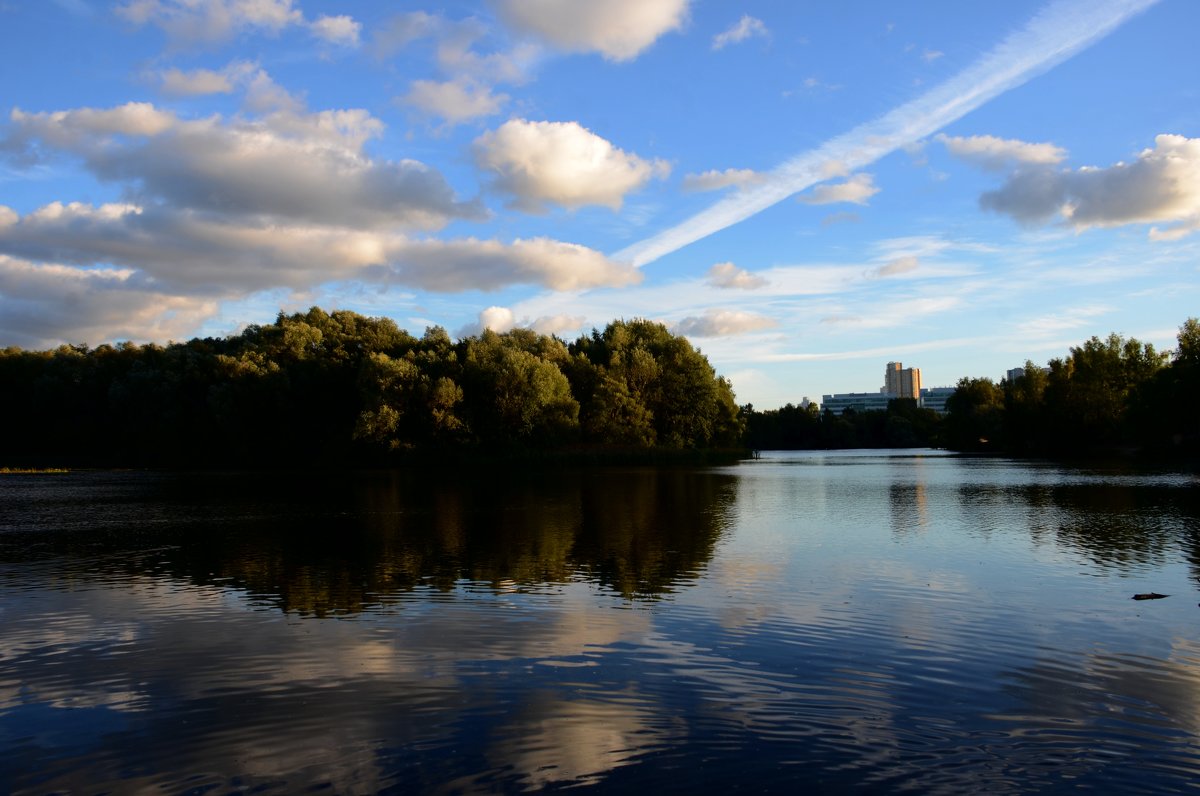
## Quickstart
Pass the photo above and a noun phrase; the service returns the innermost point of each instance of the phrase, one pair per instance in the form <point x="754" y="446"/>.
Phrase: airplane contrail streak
<point x="1057" y="32"/>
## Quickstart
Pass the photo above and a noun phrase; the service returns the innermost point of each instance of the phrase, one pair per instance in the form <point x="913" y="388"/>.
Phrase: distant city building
<point x="1016" y="373"/>
<point x="858" y="401"/>
<point x="935" y="398"/>
<point x="898" y="382"/>
<point x="901" y="382"/>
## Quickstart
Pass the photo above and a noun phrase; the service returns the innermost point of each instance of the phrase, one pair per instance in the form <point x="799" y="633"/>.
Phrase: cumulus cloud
<point x="557" y="324"/>
<point x="455" y="101"/>
<point x="900" y="265"/>
<point x="1162" y="186"/>
<point x="728" y="275"/>
<point x="195" y="83"/>
<point x="211" y="20"/>
<point x="714" y="180"/>
<point x="218" y="209"/>
<point x="459" y="54"/>
<point x="856" y="190"/>
<point x="743" y="29"/>
<point x="497" y="319"/>
<point x="465" y="264"/>
<point x="194" y="252"/>
<point x="294" y="166"/>
<point x="723" y="323"/>
<point x="997" y="154"/>
<point x="43" y="304"/>
<point x="341" y="30"/>
<point x="503" y="319"/>
<point x="471" y="72"/>
<point x="563" y="163"/>
<point x="617" y="29"/>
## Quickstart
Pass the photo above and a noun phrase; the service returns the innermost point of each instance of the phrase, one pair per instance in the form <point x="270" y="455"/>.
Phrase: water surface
<point x="852" y="621"/>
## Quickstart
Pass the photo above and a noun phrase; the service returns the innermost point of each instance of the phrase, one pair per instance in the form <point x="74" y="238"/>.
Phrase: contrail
<point x="1057" y="32"/>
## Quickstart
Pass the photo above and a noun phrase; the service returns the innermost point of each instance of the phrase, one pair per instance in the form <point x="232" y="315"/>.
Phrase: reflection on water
<point x="842" y="621"/>
<point x="329" y="544"/>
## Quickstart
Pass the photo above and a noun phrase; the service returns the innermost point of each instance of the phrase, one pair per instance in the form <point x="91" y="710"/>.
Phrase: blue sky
<point x="807" y="191"/>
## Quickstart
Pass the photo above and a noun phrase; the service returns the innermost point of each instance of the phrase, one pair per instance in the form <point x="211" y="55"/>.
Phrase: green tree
<point x="1088" y="395"/>
<point x="975" y="415"/>
<point x="1025" y="429"/>
<point x="516" y="396"/>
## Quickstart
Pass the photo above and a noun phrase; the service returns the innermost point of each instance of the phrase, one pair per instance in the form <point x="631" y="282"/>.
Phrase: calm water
<point x="853" y="621"/>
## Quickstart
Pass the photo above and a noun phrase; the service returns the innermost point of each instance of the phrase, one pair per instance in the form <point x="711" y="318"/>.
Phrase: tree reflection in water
<point x="329" y="544"/>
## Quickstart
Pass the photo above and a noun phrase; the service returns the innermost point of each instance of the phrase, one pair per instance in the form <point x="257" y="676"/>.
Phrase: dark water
<point x="855" y="621"/>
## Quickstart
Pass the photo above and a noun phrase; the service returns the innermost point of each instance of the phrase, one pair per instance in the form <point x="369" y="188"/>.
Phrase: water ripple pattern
<point x="869" y="622"/>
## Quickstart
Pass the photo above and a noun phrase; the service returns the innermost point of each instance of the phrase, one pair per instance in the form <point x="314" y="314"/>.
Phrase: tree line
<point x="903" y="424"/>
<point x="1106" y="396"/>
<point x="319" y="388"/>
<point x="1111" y="395"/>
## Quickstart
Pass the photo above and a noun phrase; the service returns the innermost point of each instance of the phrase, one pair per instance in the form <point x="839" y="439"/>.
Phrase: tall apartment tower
<point x="901" y="382"/>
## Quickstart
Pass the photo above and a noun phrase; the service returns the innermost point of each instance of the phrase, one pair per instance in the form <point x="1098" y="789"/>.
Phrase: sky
<point x="806" y="191"/>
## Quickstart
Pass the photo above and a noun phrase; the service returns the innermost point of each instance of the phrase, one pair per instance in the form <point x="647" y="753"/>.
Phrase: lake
<point x="854" y="621"/>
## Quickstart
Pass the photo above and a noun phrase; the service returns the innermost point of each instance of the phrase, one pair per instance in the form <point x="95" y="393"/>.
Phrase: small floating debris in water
<point x="1153" y="595"/>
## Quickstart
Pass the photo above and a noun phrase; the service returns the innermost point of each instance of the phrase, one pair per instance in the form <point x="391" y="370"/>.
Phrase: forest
<point x="320" y="389"/>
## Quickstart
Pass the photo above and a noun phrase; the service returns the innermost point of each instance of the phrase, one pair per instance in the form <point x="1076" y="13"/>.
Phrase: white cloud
<point x="455" y="101"/>
<point x="43" y="304"/>
<point x="715" y="180"/>
<point x="1162" y="186"/>
<point x="341" y="30"/>
<point x="225" y="208"/>
<point x="194" y="252"/>
<point x="743" y="29"/>
<point x="498" y="319"/>
<point x="196" y="83"/>
<point x="264" y="95"/>
<point x="728" y="275"/>
<point x="471" y="76"/>
<point x="996" y="154"/>
<point x="723" y="323"/>
<point x="457" y="54"/>
<point x="929" y="56"/>
<point x="856" y="190"/>
<point x="211" y="20"/>
<point x="557" y="324"/>
<point x="299" y="167"/>
<point x="561" y="163"/>
<point x="618" y="29"/>
<point x="503" y="319"/>
<point x="464" y="264"/>
<point x="900" y="265"/>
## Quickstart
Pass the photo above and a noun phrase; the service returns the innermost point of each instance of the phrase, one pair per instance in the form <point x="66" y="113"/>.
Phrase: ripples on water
<point x="837" y="621"/>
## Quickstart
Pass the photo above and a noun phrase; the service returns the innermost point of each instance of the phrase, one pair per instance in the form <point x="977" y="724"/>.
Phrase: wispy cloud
<point x="1058" y="32"/>
<point x="743" y="29"/>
